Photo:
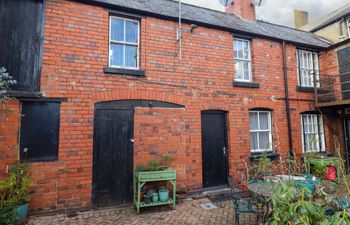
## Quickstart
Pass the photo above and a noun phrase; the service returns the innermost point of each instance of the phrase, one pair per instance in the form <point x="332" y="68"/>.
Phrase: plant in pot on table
<point x="14" y="195"/>
<point x="262" y="167"/>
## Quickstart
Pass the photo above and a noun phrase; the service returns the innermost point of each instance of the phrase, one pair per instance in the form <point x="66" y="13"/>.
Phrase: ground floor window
<point x="260" y="131"/>
<point x="313" y="139"/>
<point x="39" y="131"/>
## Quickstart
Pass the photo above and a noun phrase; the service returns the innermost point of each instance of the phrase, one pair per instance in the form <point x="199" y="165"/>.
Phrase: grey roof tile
<point x="169" y="9"/>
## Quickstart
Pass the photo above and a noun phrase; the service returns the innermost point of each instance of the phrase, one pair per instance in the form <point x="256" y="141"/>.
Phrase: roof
<point x="328" y="19"/>
<point x="168" y="9"/>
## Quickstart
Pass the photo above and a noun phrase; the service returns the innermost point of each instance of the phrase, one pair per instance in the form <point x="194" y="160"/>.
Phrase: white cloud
<point x="281" y="11"/>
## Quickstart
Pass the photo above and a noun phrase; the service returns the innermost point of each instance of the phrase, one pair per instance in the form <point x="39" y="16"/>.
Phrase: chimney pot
<point x="301" y="18"/>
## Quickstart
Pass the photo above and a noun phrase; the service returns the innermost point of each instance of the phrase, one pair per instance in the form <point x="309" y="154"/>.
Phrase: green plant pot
<point x="21" y="213"/>
<point x="163" y="195"/>
<point x="155" y="197"/>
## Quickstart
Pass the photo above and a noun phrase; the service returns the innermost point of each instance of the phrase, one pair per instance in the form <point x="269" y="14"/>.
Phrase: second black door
<point x="113" y="157"/>
<point x="214" y="148"/>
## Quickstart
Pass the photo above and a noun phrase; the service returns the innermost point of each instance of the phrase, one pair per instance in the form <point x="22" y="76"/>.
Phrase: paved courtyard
<point x="189" y="212"/>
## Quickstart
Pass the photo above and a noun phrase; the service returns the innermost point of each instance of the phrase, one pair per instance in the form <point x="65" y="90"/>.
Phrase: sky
<point x="281" y="11"/>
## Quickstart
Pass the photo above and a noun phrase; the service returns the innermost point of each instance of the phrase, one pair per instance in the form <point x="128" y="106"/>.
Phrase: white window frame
<point x="249" y="60"/>
<point x="348" y="26"/>
<point x="319" y="144"/>
<point x="270" y="149"/>
<point x="124" y="43"/>
<point x="309" y="65"/>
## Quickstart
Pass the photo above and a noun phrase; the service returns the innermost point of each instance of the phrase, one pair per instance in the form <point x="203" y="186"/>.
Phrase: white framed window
<point x="307" y="66"/>
<point x="242" y="60"/>
<point x="260" y="131"/>
<point x="124" y="43"/>
<point x="313" y="138"/>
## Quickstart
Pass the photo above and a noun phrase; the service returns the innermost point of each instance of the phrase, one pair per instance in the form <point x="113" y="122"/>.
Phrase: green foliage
<point x="5" y="82"/>
<point x="154" y="164"/>
<point x="298" y="206"/>
<point x="14" y="191"/>
<point x="262" y="166"/>
<point x="7" y="214"/>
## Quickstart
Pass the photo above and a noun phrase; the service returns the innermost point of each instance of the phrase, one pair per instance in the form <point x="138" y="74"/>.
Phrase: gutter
<point x="286" y="91"/>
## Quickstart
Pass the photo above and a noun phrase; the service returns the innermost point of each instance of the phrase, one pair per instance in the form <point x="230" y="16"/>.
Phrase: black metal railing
<point x="332" y="89"/>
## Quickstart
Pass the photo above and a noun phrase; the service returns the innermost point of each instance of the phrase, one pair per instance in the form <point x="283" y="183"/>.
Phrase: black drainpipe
<point x="291" y="152"/>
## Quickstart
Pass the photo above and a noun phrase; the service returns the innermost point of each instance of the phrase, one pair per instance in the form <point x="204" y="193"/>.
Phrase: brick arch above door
<point x="139" y="94"/>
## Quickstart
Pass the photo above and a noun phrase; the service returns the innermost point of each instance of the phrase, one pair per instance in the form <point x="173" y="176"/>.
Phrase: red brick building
<point x="102" y="88"/>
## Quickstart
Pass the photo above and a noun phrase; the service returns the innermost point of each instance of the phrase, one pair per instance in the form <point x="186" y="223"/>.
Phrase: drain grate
<point x="208" y="206"/>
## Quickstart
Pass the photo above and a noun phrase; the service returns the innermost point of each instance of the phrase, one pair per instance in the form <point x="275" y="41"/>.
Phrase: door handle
<point x="224" y="150"/>
<point x="132" y="140"/>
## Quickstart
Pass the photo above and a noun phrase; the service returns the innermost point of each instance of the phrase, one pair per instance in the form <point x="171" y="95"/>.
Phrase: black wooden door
<point x="214" y="148"/>
<point x="113" y="157"/>
<point x="347" y="141"/>
<point x="344" y="71"/>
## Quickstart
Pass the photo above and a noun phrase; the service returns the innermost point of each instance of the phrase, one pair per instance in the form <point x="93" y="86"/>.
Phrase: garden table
<point x="261" y="190"/>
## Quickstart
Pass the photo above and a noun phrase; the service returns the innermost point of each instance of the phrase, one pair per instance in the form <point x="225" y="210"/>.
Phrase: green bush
<point x="14" y="191"/>
<point x="294" y="206"/>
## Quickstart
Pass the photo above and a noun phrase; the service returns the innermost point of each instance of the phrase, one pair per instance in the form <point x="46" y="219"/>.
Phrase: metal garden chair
<point x="243" y="203"/>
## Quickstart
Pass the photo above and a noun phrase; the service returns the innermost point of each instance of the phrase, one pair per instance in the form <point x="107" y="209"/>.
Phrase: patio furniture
<point x="141" y="178"/>
<point x="243" y="203"/>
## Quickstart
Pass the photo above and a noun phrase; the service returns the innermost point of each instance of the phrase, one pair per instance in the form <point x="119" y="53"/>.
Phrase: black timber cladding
<point x="168" y="9"/>
<point x="20" y="41"/>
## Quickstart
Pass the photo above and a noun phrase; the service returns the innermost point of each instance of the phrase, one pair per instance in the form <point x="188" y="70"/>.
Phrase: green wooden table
<point x="141" y="178"/>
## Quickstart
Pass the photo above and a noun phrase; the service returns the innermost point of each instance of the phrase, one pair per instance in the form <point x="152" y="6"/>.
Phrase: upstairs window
<point x="242" y="60"/>
<point x="307" y="67"/>
<point x="260" y="131"/>
<point x="124" y="43"/>
<point x="312" y="133"/>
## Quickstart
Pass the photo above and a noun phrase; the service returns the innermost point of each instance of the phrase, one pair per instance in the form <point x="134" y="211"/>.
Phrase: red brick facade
<point x="75" y="53"/>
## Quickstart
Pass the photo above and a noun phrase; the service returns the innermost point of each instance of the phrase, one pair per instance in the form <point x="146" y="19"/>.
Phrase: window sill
<point x="305" y="89"/>
<point x="246" y="84"/>
<point x="258" y="155"/>
<point x="111" y="70"/>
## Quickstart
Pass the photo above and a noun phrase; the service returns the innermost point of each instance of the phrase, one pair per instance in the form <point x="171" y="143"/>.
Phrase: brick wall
<point x="75" y="52"/>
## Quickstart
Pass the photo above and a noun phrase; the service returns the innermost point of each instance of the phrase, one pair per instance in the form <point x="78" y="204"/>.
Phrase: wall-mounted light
<point x="193" y="26"/>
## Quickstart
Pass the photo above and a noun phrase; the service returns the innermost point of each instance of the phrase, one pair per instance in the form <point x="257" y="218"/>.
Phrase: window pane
<point x="117" y="55"/>
<point x="131" y="31"/>
<point x="254" y="121"/>
<point x="253" y="140"/>
<point x="245" y="50"/>
<point x="131" y="56"/>
<point x="117" y="29"/>
<point x="238" y="70"/>
<point x="240" y="49"/>
<point x="264" y="120"/>
<point x="264" y="141"/>
<point x="246" y="70"/>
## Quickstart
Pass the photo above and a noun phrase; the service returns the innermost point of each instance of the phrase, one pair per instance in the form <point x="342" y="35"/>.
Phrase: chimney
<point x="242" y="8"/>
<point x="301" y="18"/>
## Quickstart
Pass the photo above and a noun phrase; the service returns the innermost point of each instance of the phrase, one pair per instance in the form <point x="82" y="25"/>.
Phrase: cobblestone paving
<point x="186" y="213"/>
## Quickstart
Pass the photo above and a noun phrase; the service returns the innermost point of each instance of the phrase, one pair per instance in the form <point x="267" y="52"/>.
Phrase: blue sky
<point x="281" y="11"/>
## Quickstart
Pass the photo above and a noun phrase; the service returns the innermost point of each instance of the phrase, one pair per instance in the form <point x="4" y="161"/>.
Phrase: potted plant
<point x="14" y="195"/>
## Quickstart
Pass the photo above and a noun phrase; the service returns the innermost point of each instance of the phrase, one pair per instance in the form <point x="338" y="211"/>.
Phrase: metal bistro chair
<point x="243" y="203"/>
